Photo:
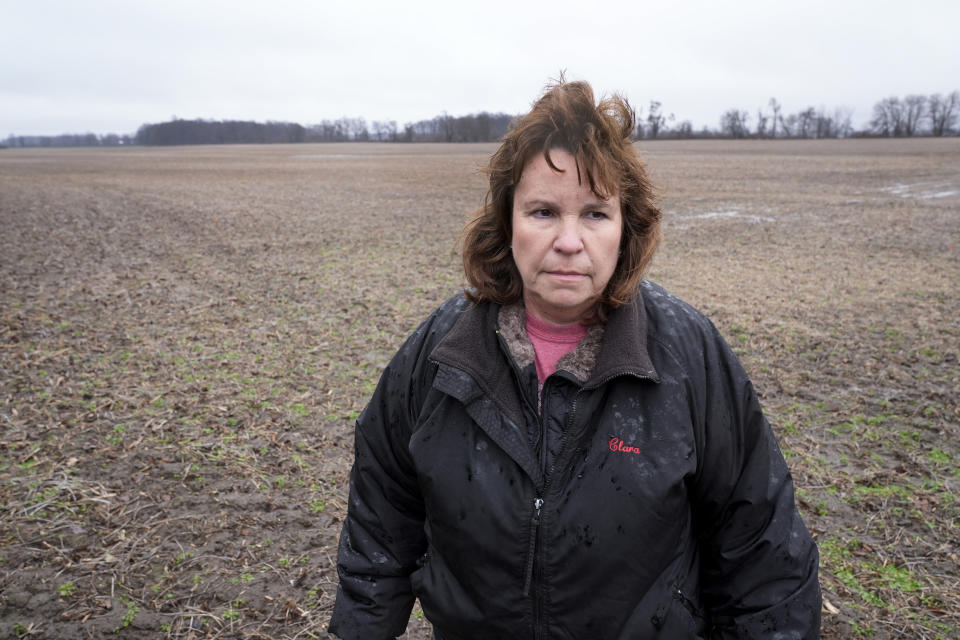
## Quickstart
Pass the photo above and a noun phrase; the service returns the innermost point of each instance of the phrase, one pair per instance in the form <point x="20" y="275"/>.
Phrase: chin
<point x="564" y="302"/>
<point x="562" y="308"/>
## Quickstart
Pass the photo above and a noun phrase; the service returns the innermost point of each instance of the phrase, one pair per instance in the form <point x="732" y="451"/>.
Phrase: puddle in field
<point x="939" y="194"/>
<point x="923" y="190"/>
<point x="721" y="214"/>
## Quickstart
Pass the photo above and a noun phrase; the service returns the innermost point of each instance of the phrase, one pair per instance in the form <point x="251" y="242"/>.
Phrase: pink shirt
<point x="551" y="342"/>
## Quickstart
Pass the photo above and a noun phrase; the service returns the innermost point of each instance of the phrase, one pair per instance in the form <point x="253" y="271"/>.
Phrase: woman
<point x="567" y="451"/>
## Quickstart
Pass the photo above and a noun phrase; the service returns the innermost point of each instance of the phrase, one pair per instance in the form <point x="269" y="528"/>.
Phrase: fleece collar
<point x="474" y="345"/>
<point x="580" y="361"/>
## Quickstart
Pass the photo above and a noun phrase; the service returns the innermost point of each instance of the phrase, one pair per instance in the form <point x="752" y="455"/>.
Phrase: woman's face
<point x="566" y="240"/>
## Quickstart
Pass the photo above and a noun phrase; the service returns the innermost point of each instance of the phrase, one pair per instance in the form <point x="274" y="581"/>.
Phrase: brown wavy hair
<point x="598" y="136"/>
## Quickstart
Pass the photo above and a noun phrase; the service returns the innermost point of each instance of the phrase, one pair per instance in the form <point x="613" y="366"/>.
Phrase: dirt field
<point x="187" y="335"/>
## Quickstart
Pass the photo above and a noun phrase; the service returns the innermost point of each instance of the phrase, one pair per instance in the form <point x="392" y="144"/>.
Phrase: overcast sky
<point x="76" y="66"/>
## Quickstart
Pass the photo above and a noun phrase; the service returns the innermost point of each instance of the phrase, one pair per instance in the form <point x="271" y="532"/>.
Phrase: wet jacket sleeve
<point x="383" y="534"/>
<point x="759" y="563"/>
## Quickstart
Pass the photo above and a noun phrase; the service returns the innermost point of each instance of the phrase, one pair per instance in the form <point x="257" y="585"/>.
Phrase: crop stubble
<point x="187" y="334"/>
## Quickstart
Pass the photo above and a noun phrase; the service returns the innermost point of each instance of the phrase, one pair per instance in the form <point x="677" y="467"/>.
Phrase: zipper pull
<point x="532" y="549"/>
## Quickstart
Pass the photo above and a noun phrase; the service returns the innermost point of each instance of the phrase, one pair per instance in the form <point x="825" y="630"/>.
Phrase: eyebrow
<point x="541" y="203"/>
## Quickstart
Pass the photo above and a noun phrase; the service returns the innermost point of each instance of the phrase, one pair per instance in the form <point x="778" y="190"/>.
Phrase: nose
<point x="569" y="238"/>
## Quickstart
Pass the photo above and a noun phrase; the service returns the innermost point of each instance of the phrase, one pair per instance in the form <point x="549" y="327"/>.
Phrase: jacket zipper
<point x="692" y="609"/>
<point x="537" y="504"/>
<point x="532" y="548"/>
<point x="540" y="485"/>
<point x="539" y="597"/>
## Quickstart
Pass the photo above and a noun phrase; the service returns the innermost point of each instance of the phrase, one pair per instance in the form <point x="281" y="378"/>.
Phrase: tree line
<point x="477" y="127"/>
<point x="934" y="115"/>
<point x="68" y="140"/>
<point x="914" y="115"/>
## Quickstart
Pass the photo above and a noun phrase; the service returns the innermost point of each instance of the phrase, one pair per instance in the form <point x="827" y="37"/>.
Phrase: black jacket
<point x="647" y="499"/>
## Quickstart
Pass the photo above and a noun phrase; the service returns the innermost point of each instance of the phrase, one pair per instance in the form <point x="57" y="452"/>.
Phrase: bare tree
<point x="761" y="123"/>
<point x="888" y="117"/>
<point x="822" y="124"/>
<point x="775" y="108"/>
<point x="446" y="126"/>
<point x="806" y="120"/>
<point x="830" y="126"/>
<point x="683" y="130"/>
<point x="943" y="112"/>
<point x="842" y="122"/>
<point x="655" y="119"/>
<point x="359" y="128"/>
<point x="638" y="127"/>
<point x="733" y="123"/>
<point x="914" y="109"/>
<point x="481" y="128"/>
<point x="389" y="130"/>
<point x="426" y="130"/>
<point x="788" y="124"/>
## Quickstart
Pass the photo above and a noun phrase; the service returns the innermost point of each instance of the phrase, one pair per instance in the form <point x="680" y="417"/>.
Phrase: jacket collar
<point x="473" y="345"/>
<point x="624" y="348"/>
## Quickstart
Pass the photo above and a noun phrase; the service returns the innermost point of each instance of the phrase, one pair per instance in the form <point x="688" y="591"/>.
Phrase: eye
<point x="596" y="215"/>
<point x="542" y="213"/>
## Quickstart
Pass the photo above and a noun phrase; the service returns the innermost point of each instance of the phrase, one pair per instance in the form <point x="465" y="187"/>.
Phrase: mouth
<point x="566" y="275"/>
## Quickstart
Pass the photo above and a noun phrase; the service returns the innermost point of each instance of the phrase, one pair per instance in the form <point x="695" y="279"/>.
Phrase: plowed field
<point x="187" y="335"/>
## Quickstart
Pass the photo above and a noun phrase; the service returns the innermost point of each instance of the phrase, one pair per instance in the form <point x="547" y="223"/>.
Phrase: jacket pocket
<point x="445" y="601"/>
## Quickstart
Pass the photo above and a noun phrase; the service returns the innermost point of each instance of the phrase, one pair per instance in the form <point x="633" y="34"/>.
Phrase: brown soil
<point x="187" y="334"/>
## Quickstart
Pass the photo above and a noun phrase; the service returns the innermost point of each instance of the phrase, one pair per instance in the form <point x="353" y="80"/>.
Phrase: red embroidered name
<point x="616" y="444"/>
